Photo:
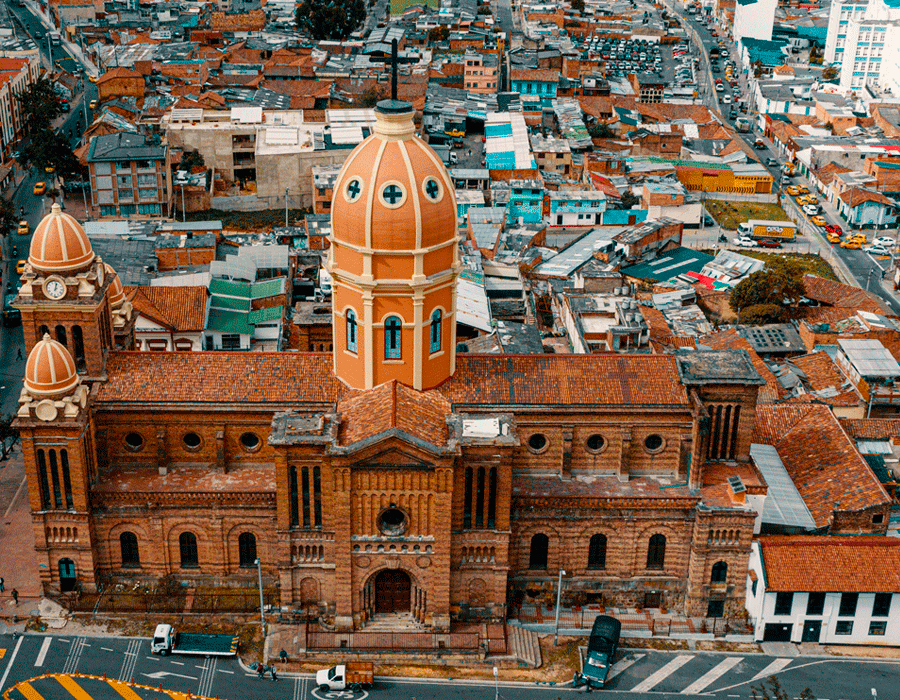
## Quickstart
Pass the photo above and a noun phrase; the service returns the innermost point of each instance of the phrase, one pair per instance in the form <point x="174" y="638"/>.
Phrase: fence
<point x="400" y="641"/>
<point x="140" y="599"/>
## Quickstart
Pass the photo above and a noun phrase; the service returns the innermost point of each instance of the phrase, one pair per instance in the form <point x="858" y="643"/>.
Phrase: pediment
<point x="394" y="457"/>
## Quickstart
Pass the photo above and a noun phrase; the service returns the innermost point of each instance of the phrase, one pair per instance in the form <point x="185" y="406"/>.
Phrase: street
<point x="33" y="666"/>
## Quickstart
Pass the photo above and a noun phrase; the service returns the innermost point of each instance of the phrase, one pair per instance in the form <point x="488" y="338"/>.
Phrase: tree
<point x="761" y="314"/>
<point x="439" y="34"/>
<point x="39" y="105"/>
<point x="780" y="283"/>
<point x="9" y="219"/>
<point x="598" y="130"/>
<point x="371" y="96"/>
<point x="830" y="73"/>
<point x="191" y="158"/>
<point x="49" y="149"/>
<point x="327" y="19"/>
<point x="577" y="5"/>
<point x="628" y="200"/>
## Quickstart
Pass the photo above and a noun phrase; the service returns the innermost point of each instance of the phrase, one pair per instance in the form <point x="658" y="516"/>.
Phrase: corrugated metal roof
<point x="783" y="504"/>
<point x="869" y="357"/>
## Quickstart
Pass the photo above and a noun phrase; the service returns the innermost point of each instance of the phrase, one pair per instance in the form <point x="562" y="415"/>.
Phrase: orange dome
<point x="116" y="292"/>
<point x="393" y="192"/>
<point x="59" y="244"/>
<point x="50" y="370"/>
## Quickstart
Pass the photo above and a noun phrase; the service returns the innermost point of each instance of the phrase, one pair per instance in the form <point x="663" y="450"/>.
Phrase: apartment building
<point x="128" y="176"/>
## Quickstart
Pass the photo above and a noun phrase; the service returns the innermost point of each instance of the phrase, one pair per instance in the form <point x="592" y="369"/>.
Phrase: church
<point x="392" y="475"/>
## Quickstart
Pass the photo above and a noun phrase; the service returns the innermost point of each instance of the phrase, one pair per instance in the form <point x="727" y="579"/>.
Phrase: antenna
<point x="393" y="69"/>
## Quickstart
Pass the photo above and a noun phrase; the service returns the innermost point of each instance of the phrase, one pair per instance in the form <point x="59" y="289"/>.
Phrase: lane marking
<point x="106" y="649"/>
<point x="42" y="654"/>
<point x="773" y="668"/>
<point x="12" y="660"/>
<point x="712" y="675"/>
<point x="222" y="670"/>
<point x="177" y="663"/>
<point x="620" y="666"/>
<point x="75" y="690"/>
<point x="124" y="690"/>
<point x="661" y="674"/>
<point x="29" y="692"/>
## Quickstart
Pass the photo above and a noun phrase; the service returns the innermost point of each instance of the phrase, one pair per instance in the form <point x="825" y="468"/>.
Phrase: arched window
<point x="247" y="549"/>
<point x="351" y="330"/>
<point x="187" y="545"/>
<point x="78" y="348"/>
<point x="392" y="328"/>
<point x="61" y="334"/>
<point x="537" y="557"/>
<point x="656" y="552"/>
<point x="128" y="543"/>
<point x="719" y="572"/>
<point x="597" y="552"/>
<point x="436" y="330"/>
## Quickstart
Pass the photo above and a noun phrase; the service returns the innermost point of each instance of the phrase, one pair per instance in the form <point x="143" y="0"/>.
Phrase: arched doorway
<point x="393" y="590"/>
<point x="67" y="578"/>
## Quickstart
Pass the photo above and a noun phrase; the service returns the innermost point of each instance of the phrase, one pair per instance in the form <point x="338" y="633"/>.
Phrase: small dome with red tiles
<point x="50" y="370"/>
<point x="116" y="292"/>
<point x="59" y="244"/>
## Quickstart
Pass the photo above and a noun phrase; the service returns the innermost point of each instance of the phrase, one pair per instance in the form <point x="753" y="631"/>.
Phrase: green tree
<point x="191" y="158"/>
<point x="577" y="5"/>
<point x="761" y="314"/>
<point x="9" y="219"/>
<point x="39" y="105"/>
<point x="438" y="34"/>
<point x="598" y="130"/>
<point x="371" y="96"/>
<point x="49" y="149"/>
<point x="779" y="284"/>
<point x="629" y="200"/>
<point x="830" y="73"/>
<point x="327" y="19"/>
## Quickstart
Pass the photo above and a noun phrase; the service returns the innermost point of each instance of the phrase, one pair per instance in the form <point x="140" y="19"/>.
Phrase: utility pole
<point x="262" y="609"/>
<point x="558" y="595"/>
<point x="286" y="190"/>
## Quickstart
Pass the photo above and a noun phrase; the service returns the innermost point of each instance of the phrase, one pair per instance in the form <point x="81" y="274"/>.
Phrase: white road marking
<point x="712" y="675"/>
<point x="620" y="666"/>
<point x="773" y="668"/>
<point x="12" y="660"/>
<point x="222" y="670"/>
<point x="177" y="663"/>
<point x="42" y="654"/>
<point x="661" y="674"/>
<point x="105" y="649"/>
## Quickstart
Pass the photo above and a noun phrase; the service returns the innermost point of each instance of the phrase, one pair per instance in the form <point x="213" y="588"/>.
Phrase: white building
<point x="860" y="37"/>
<point x="825" y="588"/>
<point x="754" y="19"/>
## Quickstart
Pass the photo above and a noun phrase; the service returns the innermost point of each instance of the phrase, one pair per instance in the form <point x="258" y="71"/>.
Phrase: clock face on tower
<point x="54" y="288"/>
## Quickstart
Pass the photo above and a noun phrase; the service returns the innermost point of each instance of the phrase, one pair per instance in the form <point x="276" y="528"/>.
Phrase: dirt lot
<point x="729" y="214"/>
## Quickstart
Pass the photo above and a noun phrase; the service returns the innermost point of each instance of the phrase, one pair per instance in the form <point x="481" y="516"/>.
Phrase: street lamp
<point x="183" y="219"/>
<point x="262" y="609"/>
<point x="285" y="207"/>
<point x="558" y="593"/>
<point x="497" y="687"/>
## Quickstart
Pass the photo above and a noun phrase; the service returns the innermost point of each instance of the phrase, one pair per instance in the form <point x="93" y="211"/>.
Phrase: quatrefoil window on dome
<point x="432" y="189"/>
<point x="393" y="195"/>
<point x="353" y="190"/>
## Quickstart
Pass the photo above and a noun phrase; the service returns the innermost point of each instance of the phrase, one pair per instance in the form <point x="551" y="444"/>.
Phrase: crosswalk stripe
<point x="124" y="690"/>
<point x="661" y="674"/>
<point x="75" y="690"/>
<point x="42" y="654"/>
<point x="712" y="675"/>
<point x="29" y="692"/>
<point x="773" y="668"/>
<point x="620" y="666"/>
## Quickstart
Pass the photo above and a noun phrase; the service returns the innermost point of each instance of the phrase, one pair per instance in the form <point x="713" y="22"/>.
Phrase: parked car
<point x="876" y="250"/>
<point x="769" y="243"/>
<point x="23" y="228"/>
<point x="745" y="242"/>
<point x="810" y="209"/>
<point x="771" y="162"/>
<point x="886" y="241"/>
<point x="39" y="188"/>
<point x="818" y="220"/>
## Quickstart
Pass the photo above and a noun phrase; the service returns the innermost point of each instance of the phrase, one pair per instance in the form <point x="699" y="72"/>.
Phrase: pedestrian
<point x="18" y="357"/>
<point x="274" y="674"/>
<point x="2" y="584"/>
<point x="15" y="595"/>
<point x="260" y="670"/>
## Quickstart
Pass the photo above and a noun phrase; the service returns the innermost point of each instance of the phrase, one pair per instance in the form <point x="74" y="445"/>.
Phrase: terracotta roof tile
<point x="175" y="308"/>
<point x="820" y="458"/>
<point x="821" y="375"/>
<point x="872" y="428"/>
<point x="831" y="564"/>
<point x="394" y="406"/>
<point x="834" y="293"/>
<point x="729" y="339"/>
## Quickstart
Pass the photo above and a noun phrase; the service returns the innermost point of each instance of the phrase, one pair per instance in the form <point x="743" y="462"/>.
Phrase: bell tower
<point x="64" y="294"/>
<point x="394" y="259"/>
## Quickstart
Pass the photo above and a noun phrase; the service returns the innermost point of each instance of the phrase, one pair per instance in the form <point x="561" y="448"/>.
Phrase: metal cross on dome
<point x="432" y="189"/>
<point x="393" y="194"/>
<point x="353" y="189"/>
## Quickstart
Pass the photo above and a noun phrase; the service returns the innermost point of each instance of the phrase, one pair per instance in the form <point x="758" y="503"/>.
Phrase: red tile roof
<point x="831" y="564"/>
<point x="730" y="339"/>
<point x="833" y="293"/>
<point x="821" y="375"/>
<point x="394" y="406"/>
<point x="174" y="308"/>
<point x="820" y="458"/>
<point x="872" y="428"/>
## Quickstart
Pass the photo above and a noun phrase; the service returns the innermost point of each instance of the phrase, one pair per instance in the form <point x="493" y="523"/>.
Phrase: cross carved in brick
<point x="353" y="189"/>
<point x="432" y="189"/>
<point x="393" y="194"/>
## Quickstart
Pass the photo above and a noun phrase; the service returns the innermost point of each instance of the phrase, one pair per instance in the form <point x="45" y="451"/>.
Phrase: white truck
<point x="354" y="675"/>
<point x="166" y="641"/>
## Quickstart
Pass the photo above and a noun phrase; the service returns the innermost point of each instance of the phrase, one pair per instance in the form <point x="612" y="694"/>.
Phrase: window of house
<point x="436" y="331"/>
<point x="882" y="605"/>
<point x="250" y="442"/>
<point x="595" y="443"/>
<point x="351" y="331"/>
<point x="148" y="209"/>
<point x="784" y="601"/>
<point x="537" y="555"/>
<point x="134" y="442"/>
<point x="108" y="211"/>
<point x="877" y="628"/>
<point x="597" y="552"/>
<point x="848" y="604"/>
<point x="392" y="341"/>
<point x="715" y="608"/>
<point x="653" y="443"/>
<point x="247" y="549"/>
<point x="127" y="209"/>
<point x="143" y="164"/>
<point x="231" y="341"/>
<point x="128" y="544"/>
<point x="187" y="548"/>
<point x="844" y="627"/>
<point x="148" y="193"/>
<point x="538" y="443"/>
<point x="102" y="168"/>
<point x="123" y="181"/>
<point x="719" y="572"/>
<point x="815" y="603"/>
<point x="656" y="552"/>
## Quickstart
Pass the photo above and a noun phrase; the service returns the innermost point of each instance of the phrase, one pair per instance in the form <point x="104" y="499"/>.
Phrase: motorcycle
<point x="723" y="238"/>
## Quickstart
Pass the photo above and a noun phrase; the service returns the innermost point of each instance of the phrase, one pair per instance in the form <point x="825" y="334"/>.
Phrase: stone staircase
<point x="525" y="645"/>
<point x="393" y="622"/>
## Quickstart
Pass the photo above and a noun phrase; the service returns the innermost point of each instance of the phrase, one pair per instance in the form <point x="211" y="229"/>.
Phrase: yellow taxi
<point x="803" y="189"/>
<point x="792" y="190"/>
<point x="39" y="187"/>
<point x="93" y="104"/>
<point x="818" y="220"/>
<point x="92" y="79"/>
<point x="857" y="237"/>
<point x="23" y="228"/>
<point x="854" y="245"/>
<point x="812" y="199"/>
<point x="20" y="267"/>
<point x="833" y="239"/>
<point x="803" y="200"/>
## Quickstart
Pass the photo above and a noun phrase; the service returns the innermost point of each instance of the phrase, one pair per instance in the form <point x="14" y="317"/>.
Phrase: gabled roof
<point x="831" y="564"/>
<point x="824" y="380"/>
<point x="833" y="293"/>
<point x="394" y="408"/>
<point x="821" y="459"/>
<point x="855" y="196"/>
<point x="174" y="308"/>
<point x="731" y="339"/>
<point x="124" y="147"/>
<point x="872" y="428"/>
<point x="118" y="74"/>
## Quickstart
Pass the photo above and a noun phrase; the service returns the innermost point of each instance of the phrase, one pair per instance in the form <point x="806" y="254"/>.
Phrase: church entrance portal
<point x="392" y="591"/>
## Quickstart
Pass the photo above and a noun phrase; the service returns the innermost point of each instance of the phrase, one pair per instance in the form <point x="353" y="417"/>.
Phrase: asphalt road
<point x="39" y="661"/>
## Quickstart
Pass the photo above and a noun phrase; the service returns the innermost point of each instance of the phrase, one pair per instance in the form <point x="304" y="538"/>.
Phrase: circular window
<point x="653" y="443"/>
<point x="392" y="195"/>
<point x="392" y="521"/>
<point x="353" y="189"/>
<point x="595" y="443"/>
<point x="250" y="442"/>
<point x="538" y="442"/>
<point x="134" y="442"/>
<point x="191" y="441"/>
<point x="432" y="189"/>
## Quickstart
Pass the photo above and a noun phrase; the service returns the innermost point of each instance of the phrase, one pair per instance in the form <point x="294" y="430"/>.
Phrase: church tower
<point x="64" y="293"/>
<point x="394" y="259"/>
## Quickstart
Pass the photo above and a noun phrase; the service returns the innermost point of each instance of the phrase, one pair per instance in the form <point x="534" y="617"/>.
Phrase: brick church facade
<point x="391" y="475"/>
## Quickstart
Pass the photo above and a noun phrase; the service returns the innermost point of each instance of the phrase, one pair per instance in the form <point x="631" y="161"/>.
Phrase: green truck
<point x="601" y="651"/>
